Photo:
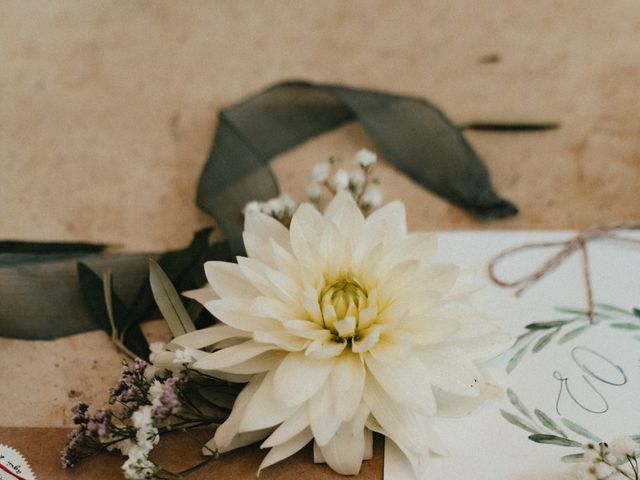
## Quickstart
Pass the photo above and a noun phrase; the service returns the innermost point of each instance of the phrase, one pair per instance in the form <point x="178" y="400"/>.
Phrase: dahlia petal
<point x="394" y="345"/>
<point x="284" y="287"/>
<point x="325" y="348"/>
<point x="419" y="461"/>
<point x="406" y="383"/>
<point x="450" y="370"/>
<point x="323" y="418"/>
<point x="368" y="338"/>
<point x="450" y="405"/>
<point x="239" y="440"/>
<point x="227" y="280"/>
<point x="238" y="313"/>
<point x="430" y="329"/>
<point x="484" y="347"/>
<point x="259" y="249"/>
<point x="437" y="277"/>
<point x="258" y="364"/>
<point x="306" y="226"/>
<point x="254" y="271"/>
<point x="347" y="383"/>
<point x="264" y="410"/>
<point x="399" y="423"/>
<point x="343" y="210"/>
<point x="282" y="339"/>
<point x="394" y="216"/>
<point x="288" y="429"/>
<point x="299" y="377"/>
<point x="305" y="329"/>
<point x="226" y="432"/>
<point x="234" y="355"/>
<point x="284" y="450"/>
<point x="420" y="246"/>
<point x="201" y="295"/>
<point x="346" y="450"/>
<point x="208" y="336"/>
<point x="266" y="226"/>
<point x="346" y="327"/>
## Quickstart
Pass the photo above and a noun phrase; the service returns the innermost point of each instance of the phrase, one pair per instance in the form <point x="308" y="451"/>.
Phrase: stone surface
<point x="108" y="110"/>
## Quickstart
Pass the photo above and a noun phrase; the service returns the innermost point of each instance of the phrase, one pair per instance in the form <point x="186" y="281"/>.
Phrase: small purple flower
<point x="167" y="402"/>
<point x="139" y="366"/>
<point x="70" y="455"/>
<point x="80" y="415"/>
<point x="99" y="424"/>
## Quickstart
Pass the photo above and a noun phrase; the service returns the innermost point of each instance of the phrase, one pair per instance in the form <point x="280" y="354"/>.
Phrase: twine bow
<point x="577" y="243"/>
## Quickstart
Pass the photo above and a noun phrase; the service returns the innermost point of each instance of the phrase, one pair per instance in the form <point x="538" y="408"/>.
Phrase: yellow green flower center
<point x="343" y="303"/>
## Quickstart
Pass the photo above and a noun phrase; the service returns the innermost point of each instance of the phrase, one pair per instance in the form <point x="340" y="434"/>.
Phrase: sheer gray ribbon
<point x="413" y="134"/>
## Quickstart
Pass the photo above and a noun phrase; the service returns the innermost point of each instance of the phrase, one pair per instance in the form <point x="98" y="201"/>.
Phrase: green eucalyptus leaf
<point x="547" y="325"/>
<point x="582" y="313"/>
<point x="554" y="440"/>
<point x="548" y="422"/>
<point x="544" y="340"/>
<point x="169" y="301"/>
<point x="573" y="458"/>
<point x="636" y="312"/>
<point x="580" y="430"/>
<point x="515" y="360"/>
<point x="515" y="401"/>
<point x="518" y="422"/>
<point x="612" y="308"/>
<point x="625" y="326"/>
<point x="571" y="334"/>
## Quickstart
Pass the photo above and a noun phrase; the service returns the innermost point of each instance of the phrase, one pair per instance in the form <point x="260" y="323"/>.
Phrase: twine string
<point x="568" y="247"/>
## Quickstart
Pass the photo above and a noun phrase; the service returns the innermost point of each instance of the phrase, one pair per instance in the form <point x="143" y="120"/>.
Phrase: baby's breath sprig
<point x="144" y="405"/>
<point x="328" y="178"/>
<point x="360" y="183"/>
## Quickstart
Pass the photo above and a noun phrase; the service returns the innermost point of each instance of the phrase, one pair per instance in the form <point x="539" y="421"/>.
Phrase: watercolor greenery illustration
<point x="596" y="454"/>
<point x="540" y="334"/>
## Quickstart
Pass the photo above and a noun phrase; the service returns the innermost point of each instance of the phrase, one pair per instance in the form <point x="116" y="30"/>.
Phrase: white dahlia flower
<point x="342" y="326"/>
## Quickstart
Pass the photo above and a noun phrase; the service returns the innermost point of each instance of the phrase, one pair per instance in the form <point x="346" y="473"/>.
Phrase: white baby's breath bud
<point x="602" y="471"/>
<point x="155" y="348"/>
<point x="623" y="447"/>
<point x="275" y="207"/>
<point x="591" y="455"/>
<point x="288" y="204"/>
<point x="155" y="391"/>
<point x="321" y="172"/>
<point x="365" y="158"/>
<point x="356" y="179"/>
<point x="186" y="355"/>
<point x="251" y="207"/>
<point x="314" y="193"/>
<point x="372" y="197"/>
<point x="340" y="180"/>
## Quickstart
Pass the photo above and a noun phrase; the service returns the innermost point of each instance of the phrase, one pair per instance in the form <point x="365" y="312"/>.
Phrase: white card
<point x="585" y="377"/>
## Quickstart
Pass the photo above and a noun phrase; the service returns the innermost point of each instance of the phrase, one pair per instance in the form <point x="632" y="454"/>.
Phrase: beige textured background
<point x="107" y="110"/>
